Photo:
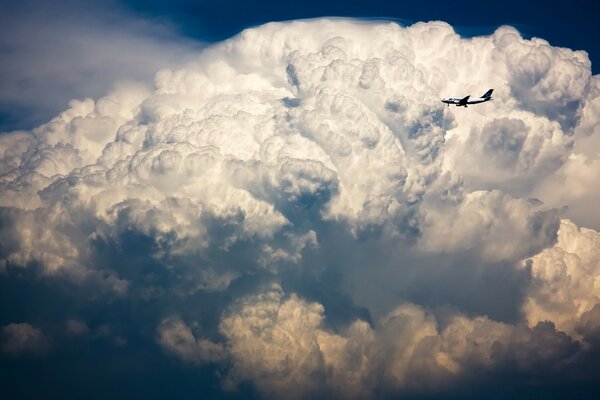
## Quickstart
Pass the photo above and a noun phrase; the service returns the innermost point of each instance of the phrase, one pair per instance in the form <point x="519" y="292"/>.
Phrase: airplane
<point x="468" y="100"/>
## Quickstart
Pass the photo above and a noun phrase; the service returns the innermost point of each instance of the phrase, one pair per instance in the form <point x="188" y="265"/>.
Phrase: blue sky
<point x="571" y="24"/>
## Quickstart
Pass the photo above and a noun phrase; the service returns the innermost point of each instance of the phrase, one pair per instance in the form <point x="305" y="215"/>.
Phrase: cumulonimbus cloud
<point x="309" y="149"/>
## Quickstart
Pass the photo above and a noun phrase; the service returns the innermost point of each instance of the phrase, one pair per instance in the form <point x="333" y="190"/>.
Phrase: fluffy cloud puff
<point x="566" y="279"/>
<point x="280" y="342"/>
<point x="293" y="139"/>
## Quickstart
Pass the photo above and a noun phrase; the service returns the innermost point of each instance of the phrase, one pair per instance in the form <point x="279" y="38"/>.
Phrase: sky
<point x="268" y="200"/>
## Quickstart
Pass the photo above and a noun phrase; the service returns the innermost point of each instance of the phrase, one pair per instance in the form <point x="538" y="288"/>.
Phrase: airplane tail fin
<point x="488" y="94"/>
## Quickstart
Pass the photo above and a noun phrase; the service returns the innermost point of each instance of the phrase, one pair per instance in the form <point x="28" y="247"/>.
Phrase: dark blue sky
<point x="570" y="24"/>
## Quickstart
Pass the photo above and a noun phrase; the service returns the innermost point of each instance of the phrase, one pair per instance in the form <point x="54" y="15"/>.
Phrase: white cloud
<point x="280" y="344"/>
<point x="310" y="146"/>
<point x="575" y="186"/>
<point x="273" y="343"/>
<point x="236" y="139"/>
<point x="566" y="279"/>
<point x="500" y="226"/>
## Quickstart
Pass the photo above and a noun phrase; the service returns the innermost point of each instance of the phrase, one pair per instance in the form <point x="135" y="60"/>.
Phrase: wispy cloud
<point x="52" y="53"/>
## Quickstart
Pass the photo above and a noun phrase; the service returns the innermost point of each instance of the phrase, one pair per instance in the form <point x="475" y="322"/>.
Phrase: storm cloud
<point x="296" y="212"/>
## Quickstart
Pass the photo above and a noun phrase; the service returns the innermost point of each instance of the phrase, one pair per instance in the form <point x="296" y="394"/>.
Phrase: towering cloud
<point x="304" y="214"/>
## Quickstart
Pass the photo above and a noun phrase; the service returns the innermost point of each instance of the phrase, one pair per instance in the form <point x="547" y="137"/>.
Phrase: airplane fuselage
<point x="463" y="102"/>
<point x="454" y="100"/>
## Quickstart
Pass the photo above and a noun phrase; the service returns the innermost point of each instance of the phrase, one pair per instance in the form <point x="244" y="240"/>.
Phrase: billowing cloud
<point x="280" y="342"/>
<point x="298" y="210"/>
<point x="566" y="279"/>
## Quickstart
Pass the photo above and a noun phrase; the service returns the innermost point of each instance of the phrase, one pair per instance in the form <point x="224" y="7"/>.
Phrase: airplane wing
<point x="463" y="101"/>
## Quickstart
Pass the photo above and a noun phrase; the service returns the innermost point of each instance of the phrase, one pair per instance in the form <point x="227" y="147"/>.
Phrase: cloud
<point x="273" y="343"/>
<point x="280" y="343"/>
<point x="76" y="327"/>
<point x="574" y="186"/>
<point x="54" y="53"/>
<point x="491" y="222"/>
<point x="565" y="279"/>
<point x="298" y="210"/>
<point x="177" y="338"/>
<point x="21" y="339"/>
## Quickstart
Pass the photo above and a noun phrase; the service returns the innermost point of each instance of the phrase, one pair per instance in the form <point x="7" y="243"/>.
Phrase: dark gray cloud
<point x="20" y="339"/>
